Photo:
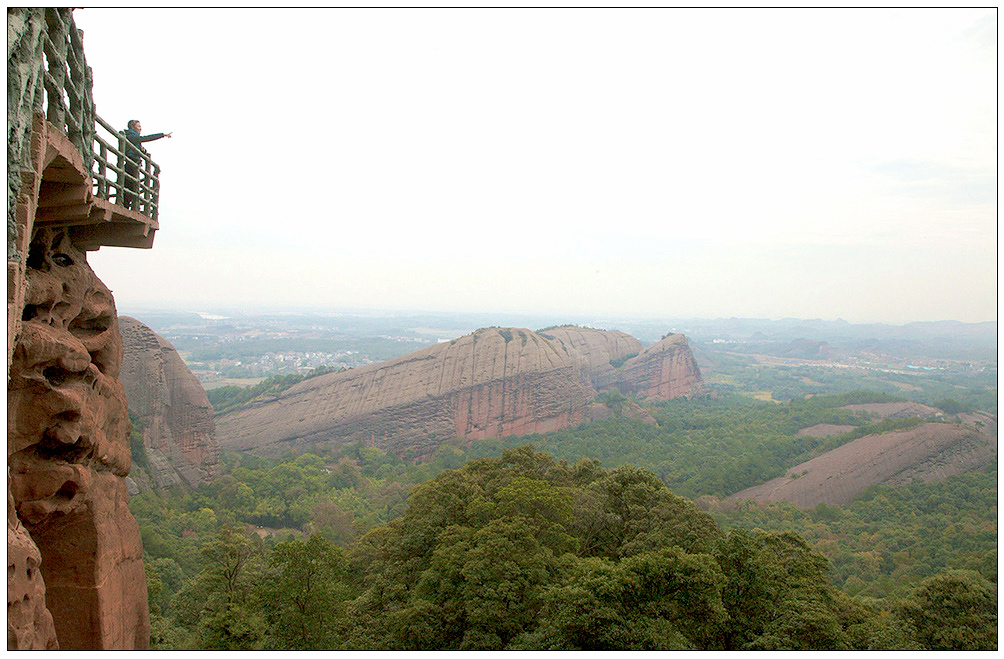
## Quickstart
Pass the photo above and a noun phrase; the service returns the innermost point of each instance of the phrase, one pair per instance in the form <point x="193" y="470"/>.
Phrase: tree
<point x="219" y="603"/>
<point x="504" y="573"/>
<point x="305" y="590"/>
<point x="661" y="600"/>
<point x="954" y="610"/>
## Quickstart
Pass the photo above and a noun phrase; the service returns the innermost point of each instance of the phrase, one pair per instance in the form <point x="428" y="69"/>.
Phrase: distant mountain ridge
<point x="492" y="383"/>
<point x="938" y="339"/>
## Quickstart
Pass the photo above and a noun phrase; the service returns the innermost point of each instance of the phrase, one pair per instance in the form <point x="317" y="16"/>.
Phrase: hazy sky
<point x="677" y="163"/>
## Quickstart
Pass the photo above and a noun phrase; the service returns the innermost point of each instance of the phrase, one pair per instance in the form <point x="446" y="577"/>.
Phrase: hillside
<point x="492" y="383"/>
<point x="928" y="452"/>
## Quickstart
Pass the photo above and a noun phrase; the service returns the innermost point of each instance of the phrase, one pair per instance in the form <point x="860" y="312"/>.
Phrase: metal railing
<point x="123" y="173"/>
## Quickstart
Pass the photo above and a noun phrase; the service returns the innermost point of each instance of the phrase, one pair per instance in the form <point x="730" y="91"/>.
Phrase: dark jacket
<point x="136" y="140"/>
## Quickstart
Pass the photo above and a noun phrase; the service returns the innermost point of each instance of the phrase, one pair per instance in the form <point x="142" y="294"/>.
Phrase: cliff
<point x="68" y="453"/>
<point x="75" y="575"/>
<point x="492" y="383"/>
<point x="170" y="407"/>
<point x="662" y="371"/>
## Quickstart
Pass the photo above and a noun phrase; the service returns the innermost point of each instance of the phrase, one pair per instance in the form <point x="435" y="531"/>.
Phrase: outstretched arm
<point x="153" y="136"/>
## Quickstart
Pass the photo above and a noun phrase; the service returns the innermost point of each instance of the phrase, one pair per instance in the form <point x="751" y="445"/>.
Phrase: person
<point x="133" y="135"/>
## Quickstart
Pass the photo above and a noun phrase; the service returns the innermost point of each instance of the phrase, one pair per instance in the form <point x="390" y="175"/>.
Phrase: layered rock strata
<point x="68" y="454"/>
<point x="493" y="383"/>
<point x="600" y="352"/>
<point x="170" y="406"/>
<point x="662" y="371"/>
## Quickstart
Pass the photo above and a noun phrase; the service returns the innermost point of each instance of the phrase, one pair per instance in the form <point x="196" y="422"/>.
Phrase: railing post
<point x="156" y="192"/>
<point x="122" y="183"/>
<point x="147" y="185"/>
<point x="102" y="182"/>
<point x="55" y="54"/>
<point x="83" y="83"/>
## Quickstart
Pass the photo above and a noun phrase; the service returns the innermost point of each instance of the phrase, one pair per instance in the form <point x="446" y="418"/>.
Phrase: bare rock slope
<point x="492" y="383"/>
<point x="171" y="407"/>
<point x="901" y="410"/>
<point x="930" y="452"/>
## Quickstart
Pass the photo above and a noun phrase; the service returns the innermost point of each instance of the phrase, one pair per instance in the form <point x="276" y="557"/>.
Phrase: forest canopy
<point x="519" y="552"/>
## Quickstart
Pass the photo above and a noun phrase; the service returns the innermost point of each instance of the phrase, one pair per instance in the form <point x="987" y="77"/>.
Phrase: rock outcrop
<point x="824" y="430"/>
<point x="931" y="451"/>
<point x="75" y="576"/>
<point x="68" y="454"/>
<point x="493" y="383"/>
<point x="170" y="406"/>
<point x="662" y="371"/>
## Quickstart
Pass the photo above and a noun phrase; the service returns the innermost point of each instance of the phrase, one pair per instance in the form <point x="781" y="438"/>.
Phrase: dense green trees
<point x="521" y="552"/>
<point x="303" y="585"/>
<point x="954" y="610"/>
<point x="495" y="545"/>
<point x="889" y="539"/>
<point x="528" y="553"/>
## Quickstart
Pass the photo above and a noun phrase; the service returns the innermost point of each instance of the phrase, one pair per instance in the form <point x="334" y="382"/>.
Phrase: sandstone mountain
<point x="171" y="407"/>
<point x="662" y="371"/>
<point x="492" y="383"/>
<point x="930" y="452"/>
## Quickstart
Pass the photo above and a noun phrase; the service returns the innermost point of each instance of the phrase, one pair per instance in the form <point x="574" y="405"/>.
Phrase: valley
<point x="851" y="458"/>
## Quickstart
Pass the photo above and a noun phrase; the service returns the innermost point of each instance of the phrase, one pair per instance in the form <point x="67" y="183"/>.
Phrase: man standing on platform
<point x="132" y="134"/>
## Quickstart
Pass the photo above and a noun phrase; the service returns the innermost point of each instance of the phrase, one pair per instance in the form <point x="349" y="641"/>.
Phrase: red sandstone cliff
<point x="601" y="352"/>
<point x="662" y="371"/>
<point x="492" y="383"/>
<point x="487" y="384"/>
<point x="68" y="456"/>
<point x="75" y="575"/>
<point x="170" y="406"/>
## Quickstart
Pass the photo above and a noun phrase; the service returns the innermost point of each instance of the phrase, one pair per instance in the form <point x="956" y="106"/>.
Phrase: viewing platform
<point x="79" y="173"/>
<point x="86" y="200"/>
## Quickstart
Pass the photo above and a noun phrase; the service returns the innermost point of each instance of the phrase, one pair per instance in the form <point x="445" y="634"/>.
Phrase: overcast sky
<point x="676" y="163"/>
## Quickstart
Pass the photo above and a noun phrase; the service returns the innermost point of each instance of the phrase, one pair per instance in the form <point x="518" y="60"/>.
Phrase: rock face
<point x="170" y="407"/>
<point x="492" y="383"/>
<point x="600" y="352"/>
<point x="930" y="452"/>
<point x="29" y="622"/>
<point x="68" y="455"/>
<point x="662" y="371"/>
